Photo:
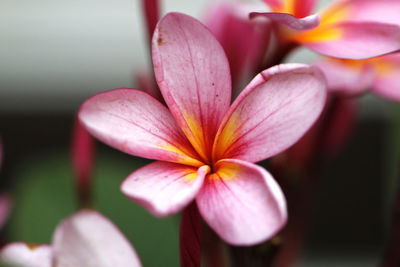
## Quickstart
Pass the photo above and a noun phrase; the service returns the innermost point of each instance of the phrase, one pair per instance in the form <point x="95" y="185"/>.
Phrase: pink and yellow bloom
<point x="353" y="29"/>
<point x="380" y="75"/>
<point x="86" y="238"/>
<point x="204" y="147"/>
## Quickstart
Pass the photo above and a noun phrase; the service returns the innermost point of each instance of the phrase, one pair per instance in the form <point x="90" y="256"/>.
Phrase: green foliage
<point x="44" y="195"/>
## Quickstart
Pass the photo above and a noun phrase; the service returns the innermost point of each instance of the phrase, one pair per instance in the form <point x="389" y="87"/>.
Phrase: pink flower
<point x="381" y="75"/>
<point x="86" y="238"/>
<point x="204" y="147"/>
<point x="353" y="29"/>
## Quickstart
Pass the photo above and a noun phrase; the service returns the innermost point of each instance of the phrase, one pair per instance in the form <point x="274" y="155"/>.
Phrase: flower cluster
<point x="206" y="134"/>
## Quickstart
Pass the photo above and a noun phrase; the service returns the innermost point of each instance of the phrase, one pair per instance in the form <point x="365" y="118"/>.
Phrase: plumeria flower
<point x="380" y="75"/>
<point x="86" y="239"/>
<point x="353" y="29"/>
<point x="204" y="147"/>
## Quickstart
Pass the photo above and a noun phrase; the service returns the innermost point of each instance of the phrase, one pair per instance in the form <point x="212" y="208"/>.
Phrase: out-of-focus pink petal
<point x="388" y="85"/>
<point x="298" y="24"/>
<point x="353" y="40"/>
<point x="244" y="41"/>
<point x="193" y="74"/>
<point x="303" y="8"/>
<point x="83" y="147"/>
<point x="386" y="11"/>
<point x="135" y="123"/>
<point x="89" y="239"/>
<point x="344" y="78"/>
<point x="274" y="4"/>
<point x="271" y="113"/>
<point x="24" y="255"/>
<point x="190" y="237"/>
<point x="299" y="9"/>
<point x="164" y="188"/>
<point x="5" y="208"/>
<point x="242" y="203"/>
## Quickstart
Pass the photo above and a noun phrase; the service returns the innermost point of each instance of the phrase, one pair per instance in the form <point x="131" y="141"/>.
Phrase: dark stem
<point x="190" y="237"/>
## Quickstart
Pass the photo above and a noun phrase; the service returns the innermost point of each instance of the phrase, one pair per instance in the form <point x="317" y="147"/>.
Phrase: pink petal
<point x="193" y="74"/>
<point x="242" y="203"/>
<point x="297" y="24"/>
<point x="82" y="149"/>
<point x="274" y="4"/>
<point x="164" y="188"/>
<point x="24" y="255"/>
<point x="300" y="9"/>
<point x="89" y="239"/>
<point x="345" y="78"/>
<point x="386" y="11"/>
<point x="388" y="85"/>
<point x="136" y="123"/>
<point x="190" y="237"/>
<point x="353" y="40"/>
<point x="303" y="8"/>
<point x="271" y="113"/>
<point x="244" y="41"/>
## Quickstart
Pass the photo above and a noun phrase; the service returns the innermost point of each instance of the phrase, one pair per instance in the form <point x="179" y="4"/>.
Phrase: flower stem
<point x="151" y="14"/>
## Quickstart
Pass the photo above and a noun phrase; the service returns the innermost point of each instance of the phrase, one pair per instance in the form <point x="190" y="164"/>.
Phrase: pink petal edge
<point x="273" y="112"/>
<point x="288" y="20"/>
<point x="137" y="124"/>
<point x="192" y="72"/>
<point x="25" y="255"/>
<point x="164" y="188"/>
<point x="242" y="203"/>
<point x="89" y="239"/>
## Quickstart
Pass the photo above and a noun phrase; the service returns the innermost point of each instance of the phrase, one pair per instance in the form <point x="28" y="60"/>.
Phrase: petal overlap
<point x="164" y="188"/>
<point x="271" y="113"/>
<point x="242" y="203"/>
<point x="137" y="124"/>
<point x="192" y="72"/>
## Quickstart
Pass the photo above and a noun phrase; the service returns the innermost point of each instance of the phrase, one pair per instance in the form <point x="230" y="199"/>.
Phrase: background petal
<point x="136" y="123"/>
<point x="386" y="11"/>
<point x="348" y="77"/>
<point x="193" y="74"/>
<point x="245" y="41"/>
<point x="352" y="40"/>
<point x="164" y="188"/>
<point x="242" y="203"/>
<point x="24" y="255"/>
<point x="388" y="86"/>
<point x="288" y="20"/>
<point x="89" y="239"/>
<point x="271" y="113"/>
